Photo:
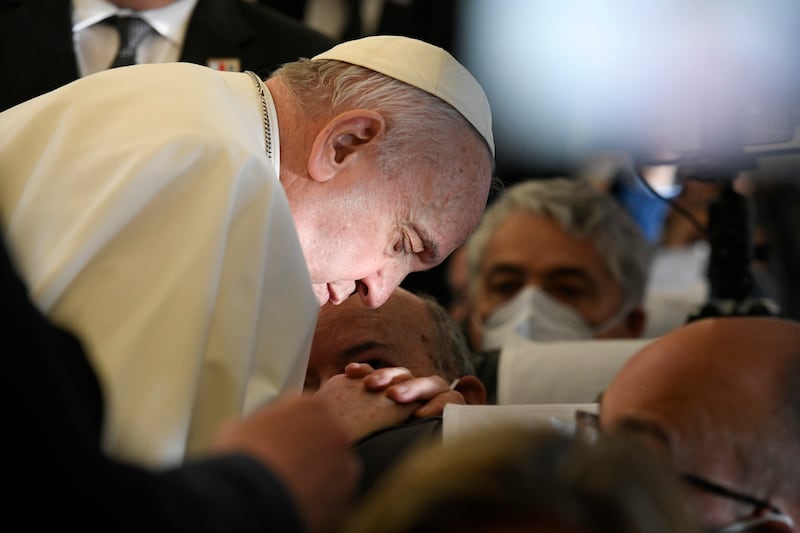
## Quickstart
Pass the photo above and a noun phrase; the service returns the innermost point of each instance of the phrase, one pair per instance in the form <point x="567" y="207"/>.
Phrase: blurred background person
<point x="553" y="260"/>
<point x="75" y="38"/>
<point x="711" y="247"/>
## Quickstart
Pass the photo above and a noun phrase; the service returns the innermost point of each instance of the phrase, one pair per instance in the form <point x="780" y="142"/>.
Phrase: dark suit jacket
<point x="37" y="54"/>
<point x="436" y="22"/>
<point x="55" y="473"/>
<point x="381" y="451"/>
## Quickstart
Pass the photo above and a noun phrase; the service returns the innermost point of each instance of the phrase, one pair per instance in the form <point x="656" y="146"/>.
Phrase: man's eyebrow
<point x="505" y="268"/>
<point x="432" y="248"/>
<point x="552" y="275"/>
<point x="358" y="349"/>
<point x="573" y="272"/>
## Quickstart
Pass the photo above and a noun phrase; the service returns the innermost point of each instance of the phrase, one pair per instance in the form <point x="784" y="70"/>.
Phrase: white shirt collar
<point x="169" y="21"/>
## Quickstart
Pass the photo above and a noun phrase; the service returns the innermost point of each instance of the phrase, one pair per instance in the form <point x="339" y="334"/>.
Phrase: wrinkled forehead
<point x="353" y="314"/>
<point x="351" y="311"/>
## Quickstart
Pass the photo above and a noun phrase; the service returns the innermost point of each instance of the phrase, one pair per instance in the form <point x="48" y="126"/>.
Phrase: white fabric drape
<point x="159" y="234"/>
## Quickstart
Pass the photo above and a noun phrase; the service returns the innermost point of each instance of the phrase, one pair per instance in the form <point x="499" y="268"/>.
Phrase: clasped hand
<point x="365" y="400"/>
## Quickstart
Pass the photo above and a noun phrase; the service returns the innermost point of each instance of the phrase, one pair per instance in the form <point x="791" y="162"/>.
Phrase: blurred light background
<point x="650" y="77"/>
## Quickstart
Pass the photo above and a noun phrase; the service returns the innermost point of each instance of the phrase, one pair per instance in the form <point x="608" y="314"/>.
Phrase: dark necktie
<point x="131" y="32"/>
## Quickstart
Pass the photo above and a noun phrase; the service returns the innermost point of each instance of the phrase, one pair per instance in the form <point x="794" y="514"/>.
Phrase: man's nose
<point x="376" y="288"/>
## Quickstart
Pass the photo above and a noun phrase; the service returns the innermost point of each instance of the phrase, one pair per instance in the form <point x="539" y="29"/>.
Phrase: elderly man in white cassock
<point x="186" y="223"/>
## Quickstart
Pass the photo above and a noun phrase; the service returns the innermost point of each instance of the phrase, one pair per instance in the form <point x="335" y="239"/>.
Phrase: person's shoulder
<point x="163" y="75"/>
<point x="429" y="426"/>
<point x="386" y="447"/>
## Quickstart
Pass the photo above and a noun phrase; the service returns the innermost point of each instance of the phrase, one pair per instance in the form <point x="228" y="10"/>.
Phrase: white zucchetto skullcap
<point x="424" y="66"/>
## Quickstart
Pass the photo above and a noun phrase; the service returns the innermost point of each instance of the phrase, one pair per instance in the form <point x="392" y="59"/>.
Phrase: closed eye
<point x="412" y="241"/>
<point x="568" y="292"/>
<point x="408" y="245"/>
<point x="413" y="244"/>
<point x="375" y="354"/>
<point x="506" y="288"/>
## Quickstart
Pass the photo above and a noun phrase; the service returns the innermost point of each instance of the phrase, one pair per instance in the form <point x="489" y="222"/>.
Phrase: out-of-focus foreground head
<point x="719" y="398"/>
<point x="523" y="479"/>
<point x="409" y="331"/>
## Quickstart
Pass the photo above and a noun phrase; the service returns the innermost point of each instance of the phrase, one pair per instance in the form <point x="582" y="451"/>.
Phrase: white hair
<point x="420" y="128"/>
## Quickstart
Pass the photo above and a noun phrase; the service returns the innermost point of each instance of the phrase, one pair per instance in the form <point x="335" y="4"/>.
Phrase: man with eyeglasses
<point x="719" y="398"/>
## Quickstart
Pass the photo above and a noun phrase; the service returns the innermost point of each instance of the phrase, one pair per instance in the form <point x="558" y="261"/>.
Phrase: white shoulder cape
<point x="159" y="234"/>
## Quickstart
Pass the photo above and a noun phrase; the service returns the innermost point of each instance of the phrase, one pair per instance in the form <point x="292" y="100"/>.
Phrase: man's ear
<point x="472" y="389"/>
<point x="341" y="141"/>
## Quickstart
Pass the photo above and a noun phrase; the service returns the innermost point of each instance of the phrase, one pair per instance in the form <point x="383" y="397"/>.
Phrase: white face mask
<point x="532" y="314"/>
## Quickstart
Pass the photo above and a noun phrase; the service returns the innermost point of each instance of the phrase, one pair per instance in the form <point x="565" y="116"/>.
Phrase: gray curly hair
<point x="582" y="211"/>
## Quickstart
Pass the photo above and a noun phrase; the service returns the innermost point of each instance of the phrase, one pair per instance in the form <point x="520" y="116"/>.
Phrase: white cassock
<point x="142" y="210"/>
